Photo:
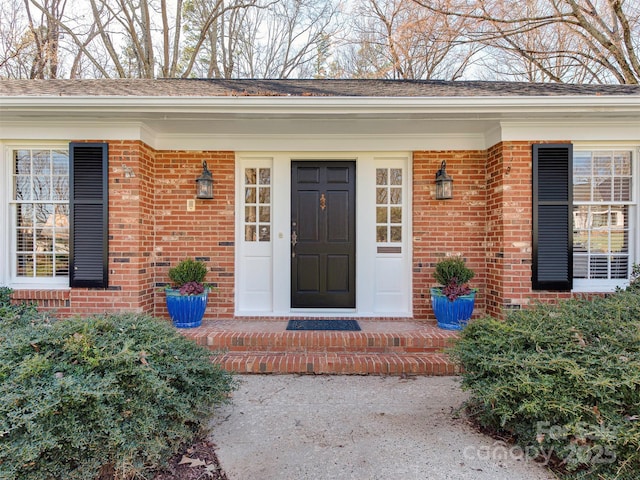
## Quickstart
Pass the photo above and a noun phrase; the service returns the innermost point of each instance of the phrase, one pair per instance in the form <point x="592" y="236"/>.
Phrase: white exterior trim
<point x="77" y="130"/>
<point x="318" y="105"/>
<point x="255" y="123"/>
<point x="7" y="230"/>
<point x="318" y="142"/>
<point x="5" y="226"/>
<point x="576" y="131"/>
<point x="581" y="285"/>
<point x="312" y="136"/>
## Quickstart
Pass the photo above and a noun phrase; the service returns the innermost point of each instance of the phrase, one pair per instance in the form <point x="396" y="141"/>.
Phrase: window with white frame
<point x="603" y="223"/>
<point x="39" y="214"/>
<point x="257" y="204"/>
<point x="389" y="205"/>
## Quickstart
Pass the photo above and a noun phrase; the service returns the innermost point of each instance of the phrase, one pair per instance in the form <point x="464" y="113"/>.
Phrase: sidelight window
<point x="389" y="205"/>
<point x="257" y="204"/>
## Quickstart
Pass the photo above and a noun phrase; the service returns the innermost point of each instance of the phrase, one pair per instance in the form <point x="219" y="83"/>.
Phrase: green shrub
<point x="452" y="270"/>
<point x="14" y="312"/>
<point x="113" y="396"/>
<point x="634" y="284"/>
<point x="187" y="271"/>
<point x="563" y="380"/>
<point x="5" y="296"/>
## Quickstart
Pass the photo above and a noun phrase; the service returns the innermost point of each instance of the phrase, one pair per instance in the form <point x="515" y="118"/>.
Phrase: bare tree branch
<point x="605" y="33"/>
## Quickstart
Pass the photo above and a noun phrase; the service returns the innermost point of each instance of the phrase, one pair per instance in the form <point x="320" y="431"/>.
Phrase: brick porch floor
<point x="385" y="347"/>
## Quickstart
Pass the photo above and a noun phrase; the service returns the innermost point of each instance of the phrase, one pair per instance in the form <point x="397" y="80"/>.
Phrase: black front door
<point x="323" y="235"/>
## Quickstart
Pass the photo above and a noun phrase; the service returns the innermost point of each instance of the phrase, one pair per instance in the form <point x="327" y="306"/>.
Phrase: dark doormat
<point x="343" y="325"/>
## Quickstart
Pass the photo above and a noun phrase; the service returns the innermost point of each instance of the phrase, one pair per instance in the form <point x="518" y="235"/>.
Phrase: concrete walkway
<point x="358" y="427"/>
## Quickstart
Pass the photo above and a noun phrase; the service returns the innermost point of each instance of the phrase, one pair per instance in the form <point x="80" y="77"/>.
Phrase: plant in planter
<point x="187" y="298"/>
<point x="453" y="301"/>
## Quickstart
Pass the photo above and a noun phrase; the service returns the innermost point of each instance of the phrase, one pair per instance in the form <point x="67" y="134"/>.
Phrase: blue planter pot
<point x="452" y="315"/>
<point x="186" y="311"/>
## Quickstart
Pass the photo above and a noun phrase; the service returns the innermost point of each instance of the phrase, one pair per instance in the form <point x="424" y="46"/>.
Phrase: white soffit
<point x="320" y="143"/>
<point x="66" y="130"/>
<point x="313" y="123"/>
<point x="577" y="130"/>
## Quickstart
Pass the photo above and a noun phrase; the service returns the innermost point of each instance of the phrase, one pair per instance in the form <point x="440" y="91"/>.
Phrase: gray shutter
<point x="552" y="217"/>
<point x="88" y="202"/>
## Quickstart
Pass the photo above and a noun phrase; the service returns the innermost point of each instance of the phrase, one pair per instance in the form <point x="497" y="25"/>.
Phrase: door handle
<point x="294" y="242"/>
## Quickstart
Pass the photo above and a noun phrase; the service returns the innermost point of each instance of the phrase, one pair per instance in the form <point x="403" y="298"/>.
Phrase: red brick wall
<point x="47" y="300"/>
<point x="150" y="230"/>
<point x="130" y="242"/>
<point x="448" y="227"/>
<point x="130" y="274"/>
<point x="208" y="233"/>
<point x="509" y="229"/>
<point x="488" y="222"/>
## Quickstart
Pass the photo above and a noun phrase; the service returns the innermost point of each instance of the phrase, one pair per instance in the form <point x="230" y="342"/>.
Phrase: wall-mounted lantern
<point x="444" y="183"/>
<point x="204" y="184"/>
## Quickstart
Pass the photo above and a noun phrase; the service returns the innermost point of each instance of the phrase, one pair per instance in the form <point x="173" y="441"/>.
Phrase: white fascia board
<point x="319" y="143"/>
<point x="75" y="130"/>
<point x="114" y="130"/>
<point x="578" y="130"/>
<point x="322" y="105"/>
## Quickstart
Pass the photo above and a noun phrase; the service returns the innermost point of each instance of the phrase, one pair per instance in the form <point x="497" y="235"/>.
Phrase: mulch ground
<point x="198" y="462"/>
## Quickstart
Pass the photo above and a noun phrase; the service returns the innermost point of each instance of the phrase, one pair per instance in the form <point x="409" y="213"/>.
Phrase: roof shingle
<point x="301" y="88"/>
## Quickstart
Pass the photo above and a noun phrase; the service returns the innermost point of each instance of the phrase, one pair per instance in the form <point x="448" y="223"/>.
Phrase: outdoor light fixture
<point x="204" y="184"/>
<point x="444" y="183"/>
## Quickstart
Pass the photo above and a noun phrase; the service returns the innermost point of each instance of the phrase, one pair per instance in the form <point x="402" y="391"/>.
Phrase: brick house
<point x="324" y="194"/>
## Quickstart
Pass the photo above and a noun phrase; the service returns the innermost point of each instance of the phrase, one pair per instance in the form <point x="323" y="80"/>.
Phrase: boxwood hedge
<point x="563" y="380"/>
<point x="110" y="396"/>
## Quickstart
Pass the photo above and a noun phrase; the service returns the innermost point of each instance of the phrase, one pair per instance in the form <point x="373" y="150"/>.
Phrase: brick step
<point x="272" y="337"/>
<point x="382" y="347"/>
<point x="436" y="364"/>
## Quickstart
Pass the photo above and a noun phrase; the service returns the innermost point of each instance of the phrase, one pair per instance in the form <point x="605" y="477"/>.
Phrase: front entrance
<point x="298" y="234"/>
<point x="323" y="234"/>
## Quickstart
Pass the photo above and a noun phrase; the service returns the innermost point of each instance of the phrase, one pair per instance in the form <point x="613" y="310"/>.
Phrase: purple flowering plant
<point x="453" y="289"/>
<point x="192" y="288"/>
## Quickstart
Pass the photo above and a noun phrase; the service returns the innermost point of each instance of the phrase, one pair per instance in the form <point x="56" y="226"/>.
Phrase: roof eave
<point x="321" y="105"/>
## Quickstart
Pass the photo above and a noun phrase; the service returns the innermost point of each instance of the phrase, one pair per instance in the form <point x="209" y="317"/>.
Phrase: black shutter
<point x="88" y="195"/>
<point x="552" y="217"/>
